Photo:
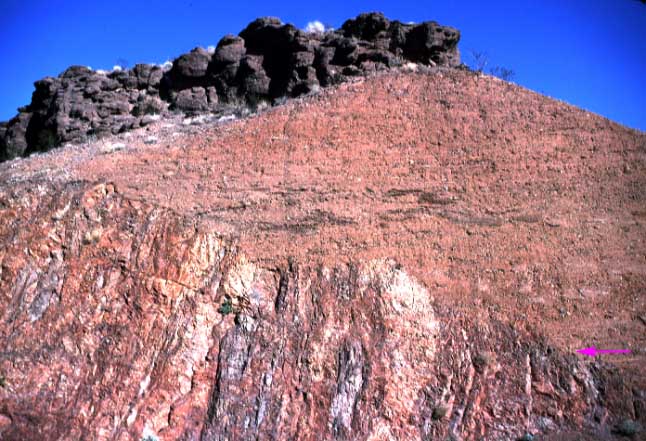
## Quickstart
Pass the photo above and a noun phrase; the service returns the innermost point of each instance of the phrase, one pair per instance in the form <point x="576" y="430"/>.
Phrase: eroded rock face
<point x="266" y="61"/>
<point x="118" y="318"/>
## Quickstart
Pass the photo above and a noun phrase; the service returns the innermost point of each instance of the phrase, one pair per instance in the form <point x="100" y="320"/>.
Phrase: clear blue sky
<point x="590" y="53"/>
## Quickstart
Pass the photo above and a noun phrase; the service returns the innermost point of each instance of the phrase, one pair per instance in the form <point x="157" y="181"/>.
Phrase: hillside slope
<point x="410" y="255"/>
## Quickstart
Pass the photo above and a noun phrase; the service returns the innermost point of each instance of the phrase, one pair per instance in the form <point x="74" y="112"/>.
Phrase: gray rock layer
<point x="266" y="61"/>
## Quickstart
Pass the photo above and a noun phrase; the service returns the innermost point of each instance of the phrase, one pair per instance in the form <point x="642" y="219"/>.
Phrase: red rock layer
<point x="409" y="257"/>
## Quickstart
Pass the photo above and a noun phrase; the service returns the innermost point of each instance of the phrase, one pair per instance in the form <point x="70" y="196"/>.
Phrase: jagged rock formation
<point x="192" y="341"/>
<point x="412" y="256"/>
<point x="268" y="60"/>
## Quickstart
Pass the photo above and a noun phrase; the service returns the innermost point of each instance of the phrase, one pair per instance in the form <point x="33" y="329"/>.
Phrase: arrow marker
<point x="592" y="351"/>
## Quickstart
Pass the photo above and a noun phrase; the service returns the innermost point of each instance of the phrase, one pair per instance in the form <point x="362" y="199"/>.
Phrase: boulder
<point x="430" y="43"/>
<point x="302" y="59"/>
<point x="117" y="103"/>
<point x="254" y="83"/>
<point x="346" y="51"/>
<point x="378" y="56"/>
<point x="212" y="97"/>
<point x="397" y="33"/>
<point x="366" y="26"/>
<point x="76" y="72"/>
<point x="126" y="78"/>
<point x="190" y="69"/>
<point x="149" y="105"/>
<point x="15" y="140"/>
<point x="229" y="51"/>
<point x="191" y="100"/>
<point x="226" y="83"/>
<point x="325" y="73"/>
<point x="147" y="75"/>
<point x="275" y="43"/>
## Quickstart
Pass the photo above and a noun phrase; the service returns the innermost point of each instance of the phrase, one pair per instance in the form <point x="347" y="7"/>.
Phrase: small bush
<point x="226" y="307"/>
<point x="503" y="73"/>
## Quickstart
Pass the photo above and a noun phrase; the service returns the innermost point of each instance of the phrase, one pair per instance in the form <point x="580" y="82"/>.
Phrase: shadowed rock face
<point x="114" y="323"/>
<point x="267" y="61"/>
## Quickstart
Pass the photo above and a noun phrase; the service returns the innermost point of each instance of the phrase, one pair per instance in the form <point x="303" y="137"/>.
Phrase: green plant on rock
<point x="226" y="307"/>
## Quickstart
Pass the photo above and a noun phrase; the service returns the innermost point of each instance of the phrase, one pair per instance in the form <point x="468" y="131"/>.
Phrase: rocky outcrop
<point x="268" y="60"/>
<point x="414" y="256"/>
<point x="125" y="320"/>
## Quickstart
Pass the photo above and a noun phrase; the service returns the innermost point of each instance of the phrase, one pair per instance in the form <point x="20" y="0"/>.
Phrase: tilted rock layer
<point x="268" y="60"/>
<point x="410" y="256"/>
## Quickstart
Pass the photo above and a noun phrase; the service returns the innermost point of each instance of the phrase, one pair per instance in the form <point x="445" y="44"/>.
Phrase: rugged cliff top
<point x="267" y="61"/>
<point x="414" y="254"/>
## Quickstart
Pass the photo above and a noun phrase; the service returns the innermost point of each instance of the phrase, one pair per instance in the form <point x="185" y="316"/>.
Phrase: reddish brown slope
<point x="520" y="217"/>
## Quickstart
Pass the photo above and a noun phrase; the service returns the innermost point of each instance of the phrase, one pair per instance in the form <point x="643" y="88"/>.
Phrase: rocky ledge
<point x="268" y="60"/>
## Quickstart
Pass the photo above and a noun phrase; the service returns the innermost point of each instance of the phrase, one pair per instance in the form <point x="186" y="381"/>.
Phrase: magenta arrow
<point x="592" y="351"/>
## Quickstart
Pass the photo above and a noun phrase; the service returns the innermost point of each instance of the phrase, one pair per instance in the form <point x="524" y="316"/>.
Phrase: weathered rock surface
<point x="268" y="60"/>
<point x="402" y="257"/>
<point x="131" y="305"/>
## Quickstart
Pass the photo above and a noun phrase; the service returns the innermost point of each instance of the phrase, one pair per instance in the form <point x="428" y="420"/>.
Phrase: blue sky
<point x="590" y="53"/>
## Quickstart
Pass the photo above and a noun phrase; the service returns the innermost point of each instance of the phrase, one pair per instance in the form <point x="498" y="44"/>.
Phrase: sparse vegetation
<point x="226" y="307"/>
<point x="503" y="73"/>
<point x="480" y="61"/>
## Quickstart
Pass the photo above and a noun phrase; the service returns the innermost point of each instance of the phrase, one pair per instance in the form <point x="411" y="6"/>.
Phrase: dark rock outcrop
<point x="268" y="60"/>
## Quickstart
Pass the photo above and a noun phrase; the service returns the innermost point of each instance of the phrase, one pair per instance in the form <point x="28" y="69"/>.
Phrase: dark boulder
<point x="254" y="83"/>
<point x="189" y="70"/>
<point x="149" y="105"/>
<point x="126" y="78"/>
<point x="325" y="72"/>
<point x="191" y="100"/>
<point x="229" y="51"/>
<point x="113" y="103"/>
<point x="100" y="83"/>
<point x="76" y="72"/>
<point x="430" y="43"/>
<point x="276" y="43"/>
<point x="148" y="76"/>
<point x="366" y="26"/>
<point x="383" y="57"/>
<point x="15" y="140"/>
<point x="212" y="97"/>
<point x="346" y="51"/>
<point x="302" y="59"/>
<point x="397" y="33"/>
